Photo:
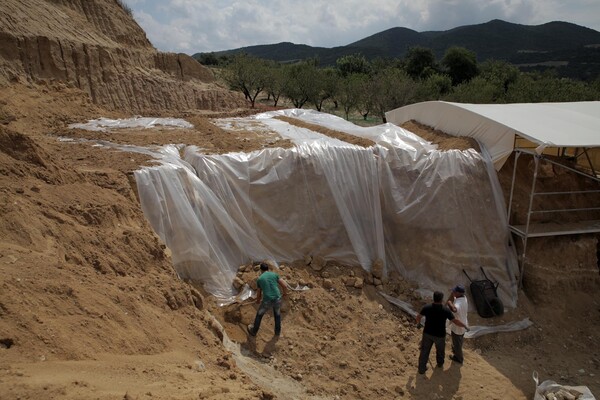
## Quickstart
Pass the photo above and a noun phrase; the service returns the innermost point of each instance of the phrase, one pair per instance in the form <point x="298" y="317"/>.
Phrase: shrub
<point x="125" y="7"/>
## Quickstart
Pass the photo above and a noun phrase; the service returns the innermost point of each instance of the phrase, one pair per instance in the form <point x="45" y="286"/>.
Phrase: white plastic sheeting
<point x="573" y="124"/>
<point x="106" y="124"/>
<point x="426" y="213"/>
<point x="546" y="389"/>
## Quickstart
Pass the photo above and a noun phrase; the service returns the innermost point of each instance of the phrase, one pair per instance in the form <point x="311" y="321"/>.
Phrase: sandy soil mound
<point x="97" y="47"/>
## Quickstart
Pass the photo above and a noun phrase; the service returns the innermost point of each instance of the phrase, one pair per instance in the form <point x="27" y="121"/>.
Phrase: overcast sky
<point x="195" y="26"/>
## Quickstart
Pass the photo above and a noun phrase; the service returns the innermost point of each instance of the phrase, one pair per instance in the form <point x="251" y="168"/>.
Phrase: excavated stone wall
<point x="561" y="263"/>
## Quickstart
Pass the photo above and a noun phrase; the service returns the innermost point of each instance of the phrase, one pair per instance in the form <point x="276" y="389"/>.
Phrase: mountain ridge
<point x="574" y="45"/>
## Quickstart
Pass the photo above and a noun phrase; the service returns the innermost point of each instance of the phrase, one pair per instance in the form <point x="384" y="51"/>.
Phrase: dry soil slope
<point x="82" y="275"/>
<point x="95" y="45"/>
<point x="89" y="303"/>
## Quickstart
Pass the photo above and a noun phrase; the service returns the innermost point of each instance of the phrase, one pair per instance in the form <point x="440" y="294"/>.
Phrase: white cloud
<point x="192" y="26"/>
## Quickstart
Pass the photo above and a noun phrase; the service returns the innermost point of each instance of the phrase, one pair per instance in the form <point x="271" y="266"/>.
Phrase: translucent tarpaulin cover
<point x="104" y="124"/>
<point x="426" y="213"/>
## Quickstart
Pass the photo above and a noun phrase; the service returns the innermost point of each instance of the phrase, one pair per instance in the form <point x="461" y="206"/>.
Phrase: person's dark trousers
<point x="264" y="307"/>
<point x="426" y="343"/>
<point x="457" y="346"/>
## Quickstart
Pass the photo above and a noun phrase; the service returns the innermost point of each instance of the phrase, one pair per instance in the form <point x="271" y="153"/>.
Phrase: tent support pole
<point x="512" y="185"/>
<point x="536" y="159"/>
<point x="587" y="156"/>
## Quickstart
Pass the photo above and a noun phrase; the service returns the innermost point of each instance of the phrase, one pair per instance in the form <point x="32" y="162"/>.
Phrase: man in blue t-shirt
<point x="435" y="330"/>
<point x="270" y="289"/>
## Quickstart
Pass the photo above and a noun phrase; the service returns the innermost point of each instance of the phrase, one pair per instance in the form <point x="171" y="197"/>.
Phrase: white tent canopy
<point x="574" y="124"/>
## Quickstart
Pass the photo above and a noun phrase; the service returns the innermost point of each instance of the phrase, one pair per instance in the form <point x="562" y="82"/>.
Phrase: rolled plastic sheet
<point x="476" y="331"/>
<point x="427" y="214"/>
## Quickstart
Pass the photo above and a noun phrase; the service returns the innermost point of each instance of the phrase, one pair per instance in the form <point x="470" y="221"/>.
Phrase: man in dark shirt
<point x="435" y="330"/>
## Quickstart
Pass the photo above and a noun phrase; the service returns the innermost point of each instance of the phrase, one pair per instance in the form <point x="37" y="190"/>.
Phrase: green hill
<point x="573" y="48"/>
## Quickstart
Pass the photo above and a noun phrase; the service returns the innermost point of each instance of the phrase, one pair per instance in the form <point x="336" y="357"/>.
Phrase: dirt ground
<point x="91" y="308"/>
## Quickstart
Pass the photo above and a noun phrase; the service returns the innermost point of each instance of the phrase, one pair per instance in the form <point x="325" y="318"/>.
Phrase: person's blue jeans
<point x="264" y="307"/>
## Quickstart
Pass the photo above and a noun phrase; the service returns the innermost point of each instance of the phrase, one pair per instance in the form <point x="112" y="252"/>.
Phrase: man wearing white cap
<point x="459" y="305"/>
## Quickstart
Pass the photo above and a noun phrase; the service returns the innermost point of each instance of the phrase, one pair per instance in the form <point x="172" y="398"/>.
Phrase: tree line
<point x="356" y="84"/>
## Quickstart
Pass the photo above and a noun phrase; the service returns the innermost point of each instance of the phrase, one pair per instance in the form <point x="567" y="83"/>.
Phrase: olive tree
<point x="420" y="62"/>
<point x="302" y="83"/>
<point x="460" y="64"/>
<point x="500" y="73"/>
<point x="248" y="75"/>
<point x="352" y="64"/>
<point x="276" y="82"/>
<point x="547" y="87"/>
<point x="434" y="87"/>
<point x="392" y="88"/>
<point x="327" y="87"/>
<point x="478" y="90"/>
<point x="350" y="92"/>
